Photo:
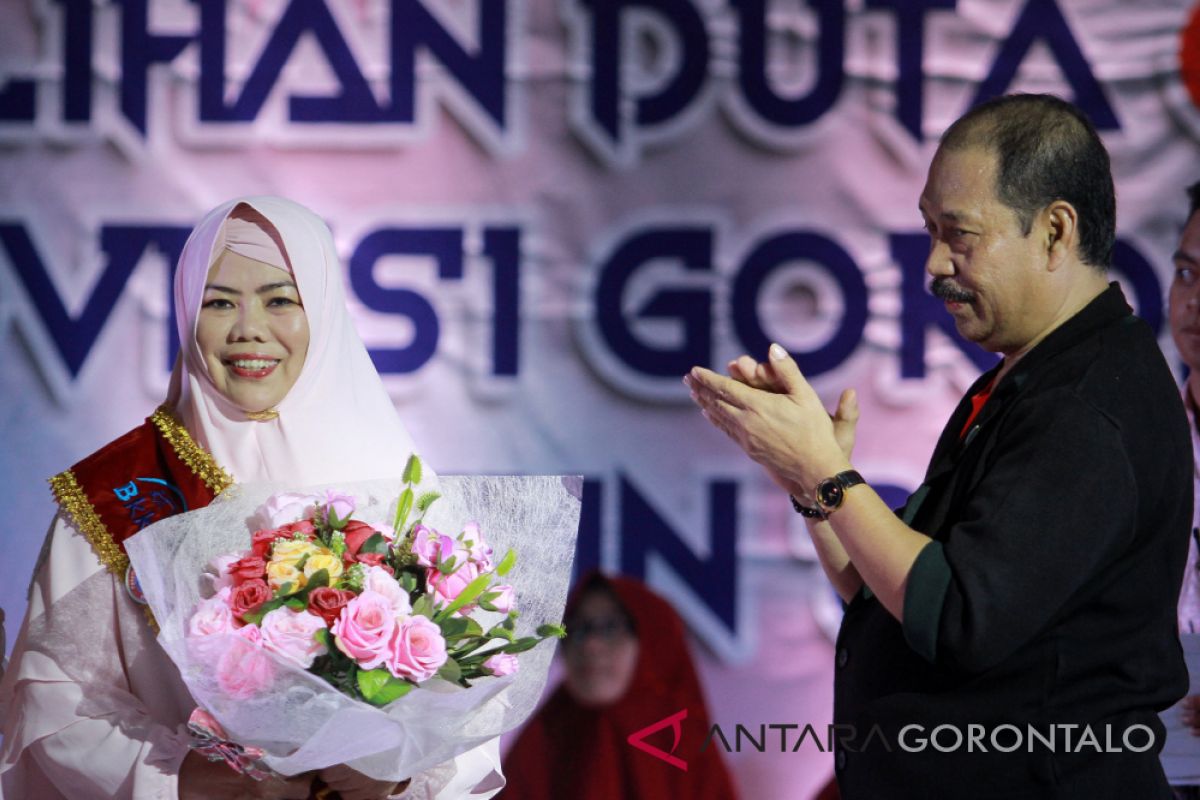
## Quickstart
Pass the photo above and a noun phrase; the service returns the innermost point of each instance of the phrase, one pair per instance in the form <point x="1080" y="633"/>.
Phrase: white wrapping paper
<point x="302" y="722"/>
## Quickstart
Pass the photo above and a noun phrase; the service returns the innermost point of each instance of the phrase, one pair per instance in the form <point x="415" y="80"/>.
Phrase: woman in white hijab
<point x="273" y="385"/>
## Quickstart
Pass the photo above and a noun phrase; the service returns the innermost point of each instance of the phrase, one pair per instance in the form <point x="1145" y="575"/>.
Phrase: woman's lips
<point x="251" y="366"/>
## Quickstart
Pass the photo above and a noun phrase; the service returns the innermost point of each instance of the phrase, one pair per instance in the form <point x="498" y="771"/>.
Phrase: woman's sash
<point x="153" y="472"/>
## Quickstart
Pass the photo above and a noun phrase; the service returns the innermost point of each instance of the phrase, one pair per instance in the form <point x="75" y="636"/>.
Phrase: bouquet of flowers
<point x="342" y="625"/>
<point x="371" y="610"/>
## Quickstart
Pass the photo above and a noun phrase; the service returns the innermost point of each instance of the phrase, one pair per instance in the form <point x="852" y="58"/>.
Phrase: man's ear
<point x="1060" y="232"/>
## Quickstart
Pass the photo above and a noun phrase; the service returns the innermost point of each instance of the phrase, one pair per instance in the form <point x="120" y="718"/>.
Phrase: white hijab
<point x="337" y="423"/>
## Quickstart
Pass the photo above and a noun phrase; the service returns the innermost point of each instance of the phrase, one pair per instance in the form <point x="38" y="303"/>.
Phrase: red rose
<point x="327" y="602"/>
<point x="248" y="569"/>
<point x="304" y="526"/>
<point x="261" y="541"/>
<point x="373" y="560"/>
<point x="356" y="534"/>
<point x="249" y="597"/>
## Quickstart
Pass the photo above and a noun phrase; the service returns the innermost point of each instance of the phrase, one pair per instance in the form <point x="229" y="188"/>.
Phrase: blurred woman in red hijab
<point x="628" y="667"/>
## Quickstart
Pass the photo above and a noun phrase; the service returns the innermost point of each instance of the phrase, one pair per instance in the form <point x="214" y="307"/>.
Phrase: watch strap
<point x="806" y="511"/>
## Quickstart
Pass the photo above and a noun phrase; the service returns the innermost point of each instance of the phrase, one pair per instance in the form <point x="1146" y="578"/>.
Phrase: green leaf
<point x="284" y="590"/>
<point x="322" y="637"/>
<point x="500" y="632"/>
<point x="315" y="581"/>
<point x="403" y="507"/>
<point x="426" y="500"/>
<point x="423" y="606"/>
<point x="506" y="563"/>
<point x="456" y="628"/>
<point x="379" y="687"/>
<point x="468" y="595"/>
<point x="408" y="581"/>
<point x="375" y="543"/>
<point x="521" y="645"/>
<point x="412" y="470"/>
<point x="548" y="630"/>
<point x="450" y="671"/>
<point x="448" y="566"/>
<point x="334" y="521"/>
<point x="295" y="603"/>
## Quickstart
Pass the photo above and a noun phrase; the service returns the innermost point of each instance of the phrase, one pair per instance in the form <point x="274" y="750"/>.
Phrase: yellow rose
<point x="290" y="551"/>
<point x="281" y="572"/>
<point x="324" y="560"/>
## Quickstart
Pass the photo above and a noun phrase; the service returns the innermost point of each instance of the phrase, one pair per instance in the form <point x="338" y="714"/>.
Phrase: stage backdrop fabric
<point x="548" y="211"/>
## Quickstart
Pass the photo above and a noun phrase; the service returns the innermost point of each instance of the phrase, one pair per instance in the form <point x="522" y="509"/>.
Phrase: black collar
<point x="1107" y="308"/>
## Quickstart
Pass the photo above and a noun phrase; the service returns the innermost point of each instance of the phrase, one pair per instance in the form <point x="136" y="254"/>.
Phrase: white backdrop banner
<point x="548" y="211"/>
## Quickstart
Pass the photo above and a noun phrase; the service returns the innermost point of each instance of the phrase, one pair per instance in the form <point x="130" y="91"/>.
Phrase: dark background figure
<point x="1183" y="311"/>
<point x="627" y="667"/>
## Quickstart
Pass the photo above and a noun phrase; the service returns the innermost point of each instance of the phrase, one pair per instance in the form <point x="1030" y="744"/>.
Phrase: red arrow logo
<point x="637" y="739"/>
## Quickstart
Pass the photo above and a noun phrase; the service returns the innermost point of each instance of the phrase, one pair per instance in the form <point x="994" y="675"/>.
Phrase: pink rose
<point x="417" y="649"/>
<point x="217" y="571"/>
<point x="380" y="580"/>
<point x="249" y="597"/>
<point x="247" y="569"/>
<point x="327" y="602"/>
<point x="283" y="508"/>
<point x="502" y="602"/>
<point x="501" y="664"/>
<point x="445" y="589"/>
<point x="212" y="616"/>
<point x="477" y="549"/>
<point x="430" y="547"/>
<point x="357" y="532"/>
<point x="250" y="633"/>
<point x="244" y="669"/>
<point x="292" y="634"/>
<point x="365" y="628"/>
<point x="342" y="505"/>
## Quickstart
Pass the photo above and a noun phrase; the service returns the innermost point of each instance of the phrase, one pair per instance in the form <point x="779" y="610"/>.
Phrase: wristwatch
<point x="831" y="492"/>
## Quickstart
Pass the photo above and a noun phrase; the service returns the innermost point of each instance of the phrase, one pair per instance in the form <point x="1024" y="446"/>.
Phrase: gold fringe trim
<point x="83" y="515"/>
<point x="197" y="459"/>
<point x="75" y="504"/>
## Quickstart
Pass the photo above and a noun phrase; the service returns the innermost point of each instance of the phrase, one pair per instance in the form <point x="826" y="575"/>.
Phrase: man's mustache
<point x="943" y="289"/>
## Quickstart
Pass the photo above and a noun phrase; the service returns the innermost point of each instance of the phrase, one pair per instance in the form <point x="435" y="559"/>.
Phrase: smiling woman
<point x="273" y="384"/>
<point x="252" y="330"/>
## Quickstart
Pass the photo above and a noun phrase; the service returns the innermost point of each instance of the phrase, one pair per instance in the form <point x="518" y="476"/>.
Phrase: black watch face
<point x="830" y="493"/>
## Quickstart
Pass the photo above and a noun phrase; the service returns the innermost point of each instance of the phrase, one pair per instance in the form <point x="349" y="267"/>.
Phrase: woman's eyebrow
<point x="268" y="287"/>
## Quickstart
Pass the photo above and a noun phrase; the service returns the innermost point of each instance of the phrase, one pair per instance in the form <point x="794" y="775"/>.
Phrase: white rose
<point x="378" y="580"/>
<point x="292" y="634"/>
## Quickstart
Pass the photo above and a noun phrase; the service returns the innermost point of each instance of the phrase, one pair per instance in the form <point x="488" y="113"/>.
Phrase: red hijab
<point x="568" y="750"/>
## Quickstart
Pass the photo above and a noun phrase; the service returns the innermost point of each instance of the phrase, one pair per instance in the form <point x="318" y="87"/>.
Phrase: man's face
<point x="1184" y="299"/>
<point x="984" y="267"/>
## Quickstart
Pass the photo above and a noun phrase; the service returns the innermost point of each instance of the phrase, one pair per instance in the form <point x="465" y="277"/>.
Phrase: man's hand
<point x="200" y="779"/>
<point x="353" y="785"/>
<point x="758" y="375"/>
<point x="773" y="414"/>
